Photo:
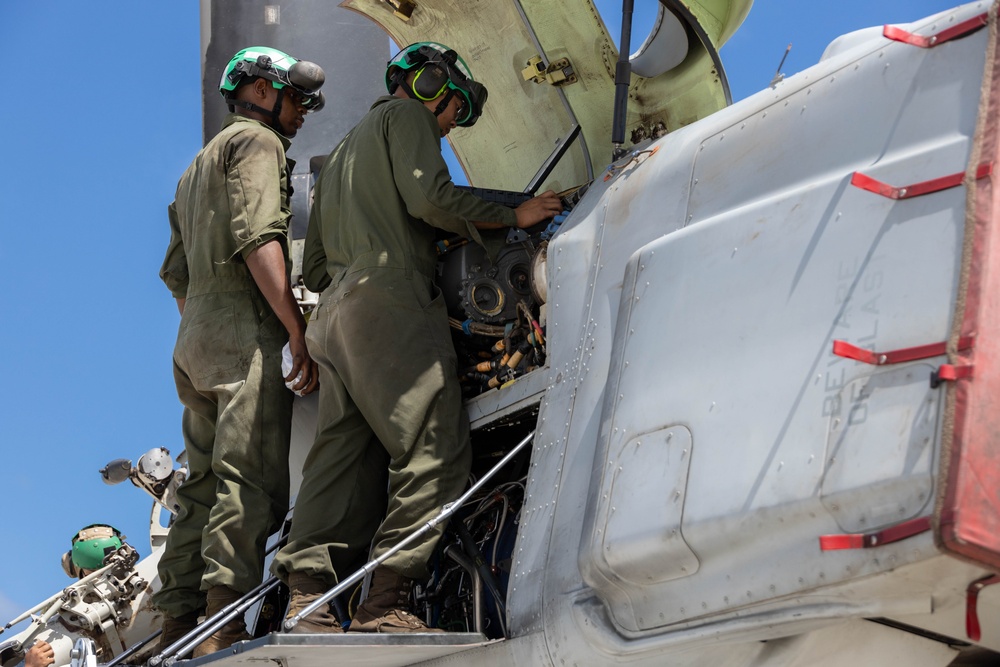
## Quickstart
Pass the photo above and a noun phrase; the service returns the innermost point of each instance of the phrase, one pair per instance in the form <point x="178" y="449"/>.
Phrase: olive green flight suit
<point x="227" y="365"/>
<point x="389" y="392"/>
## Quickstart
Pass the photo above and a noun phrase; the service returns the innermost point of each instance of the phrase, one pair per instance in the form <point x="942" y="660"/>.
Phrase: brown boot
<point x="234" y="631"/>
<point x="305" y="590"/>
<point x="386" y="609"/>
<point x="175" y="628"/>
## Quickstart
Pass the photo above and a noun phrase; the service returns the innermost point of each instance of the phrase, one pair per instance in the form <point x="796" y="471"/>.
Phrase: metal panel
<point x="354" y="649"/>
<point x="492" y="406"/>
<point x="726" y="327"/>
<point x="882" y="440"/>
<point x="532" y="117"/>
<point x="642" y="532"/>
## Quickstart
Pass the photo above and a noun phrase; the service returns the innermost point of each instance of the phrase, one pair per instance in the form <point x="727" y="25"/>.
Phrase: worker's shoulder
<point x="391" y="109"/>
<point x="253" y="131"/>
<point x="239" y="132"/>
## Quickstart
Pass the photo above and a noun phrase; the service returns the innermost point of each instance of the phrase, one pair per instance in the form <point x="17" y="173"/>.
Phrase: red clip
<point x="951" y="372"/>
<point x="844" y="349"/>
<point x="926" y="42"/>
<point x="868" y="183"/>
<point x="869" y="540"/>
<point x="971" y="598"/>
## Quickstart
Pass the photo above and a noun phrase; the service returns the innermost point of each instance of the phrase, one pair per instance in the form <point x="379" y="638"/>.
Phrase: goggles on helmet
<point x="304" y="77"/>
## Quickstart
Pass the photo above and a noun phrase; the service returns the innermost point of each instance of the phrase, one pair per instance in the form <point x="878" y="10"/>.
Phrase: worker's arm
<point x="531" y="212"/>
<point x="314" y="273"/>
<point x="267" y="266"/>
<point x="422" y="179"/>
<point x="255" y="167"/>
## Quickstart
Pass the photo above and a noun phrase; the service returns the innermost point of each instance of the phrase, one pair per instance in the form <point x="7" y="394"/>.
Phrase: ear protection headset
<point x="437" y="71"/>
<point x="430" y="81"/>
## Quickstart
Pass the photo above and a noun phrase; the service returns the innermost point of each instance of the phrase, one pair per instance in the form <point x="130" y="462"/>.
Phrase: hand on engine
<point x="41" y="654"/>
<point x="542" y="207"/>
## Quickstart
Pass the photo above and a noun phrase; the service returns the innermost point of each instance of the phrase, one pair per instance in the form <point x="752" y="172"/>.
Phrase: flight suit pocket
<point x="209" y="345"/>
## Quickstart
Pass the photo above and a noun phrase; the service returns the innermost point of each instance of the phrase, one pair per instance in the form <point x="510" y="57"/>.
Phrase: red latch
<point x="844" y="349"/>
<point x="950" y="373"/>
<point x="926" y="42"/>
<point x="971" y="598"/>
<point x="868" y="540"/>
<point x="868" y="183"/>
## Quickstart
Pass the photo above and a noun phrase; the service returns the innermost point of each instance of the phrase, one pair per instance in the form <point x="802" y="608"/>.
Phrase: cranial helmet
<point x="90" y="547"/>
<point x="438" y="70"/>
<point x="280" y="69"/>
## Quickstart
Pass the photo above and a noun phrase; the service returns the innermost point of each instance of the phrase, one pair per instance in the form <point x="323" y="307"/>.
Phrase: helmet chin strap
<point x="274" y="113"/>
<point x="445" y="101"/>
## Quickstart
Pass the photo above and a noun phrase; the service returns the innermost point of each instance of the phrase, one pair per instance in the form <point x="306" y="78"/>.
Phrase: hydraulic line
<point x="370" y="566"/>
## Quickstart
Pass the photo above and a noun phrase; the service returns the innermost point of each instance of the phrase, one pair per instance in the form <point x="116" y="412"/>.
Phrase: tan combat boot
<point x="175" y="628"/>
<point x="304" y="591"/>
<point x="219" y="597"/>
<point x="386" y="609"/>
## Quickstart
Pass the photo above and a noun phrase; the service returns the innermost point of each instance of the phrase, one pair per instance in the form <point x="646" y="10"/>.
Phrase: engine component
<point x="84" y="653"/>
<point x="538" y="282"/>
<point x="466" y="591"/>
<point x="154" y="474"/>
<point x="483" y="290"/>
<point x="491" y="294"/>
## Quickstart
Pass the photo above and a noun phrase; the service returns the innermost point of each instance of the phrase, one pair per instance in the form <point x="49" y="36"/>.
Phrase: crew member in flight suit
<point x="226" y="265"/>
<point x="389" y="397"/>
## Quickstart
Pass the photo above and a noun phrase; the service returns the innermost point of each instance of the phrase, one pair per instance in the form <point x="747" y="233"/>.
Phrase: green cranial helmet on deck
<point x="92" y="544"/>
<point x="437" y="70"/>
<point x="280" y="69"/>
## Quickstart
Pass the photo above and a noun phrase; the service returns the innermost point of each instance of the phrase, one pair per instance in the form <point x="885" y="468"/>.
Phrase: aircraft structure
<point x="737" y="406"/>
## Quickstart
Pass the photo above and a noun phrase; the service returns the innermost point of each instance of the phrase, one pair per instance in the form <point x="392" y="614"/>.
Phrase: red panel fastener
<point x="927" y="41"/>
<point x="868" y="183"/>
<point x="868" y="540"/>
<point x="950" y="372"/>
<point x="971" y="598"/>
<point x="844" y="349"/>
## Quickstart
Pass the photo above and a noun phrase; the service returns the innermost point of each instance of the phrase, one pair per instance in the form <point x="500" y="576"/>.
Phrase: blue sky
<point x="101" y="117"/>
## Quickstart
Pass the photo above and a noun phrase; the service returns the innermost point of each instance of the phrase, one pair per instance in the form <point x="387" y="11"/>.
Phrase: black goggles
<point x="304" y="77"/>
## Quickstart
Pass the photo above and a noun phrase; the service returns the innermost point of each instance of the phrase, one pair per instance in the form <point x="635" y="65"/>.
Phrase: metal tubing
<point x="200" y="633"/>
<point x="187" y="643"/>
<point x="553" y="159"/>
<point x="135" y="648"/>
<point x="477" y="584"/>
<point x="57" y="597"/>
<point x="368" y="567"/>
<point x="469" y="544"/>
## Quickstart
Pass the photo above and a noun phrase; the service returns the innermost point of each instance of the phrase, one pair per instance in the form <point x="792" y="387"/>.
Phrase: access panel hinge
<point x="868" y="183"/>
<point x="928" y="41"/>
<point x="402" y="9"/>
<point x="559" y="72"/>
